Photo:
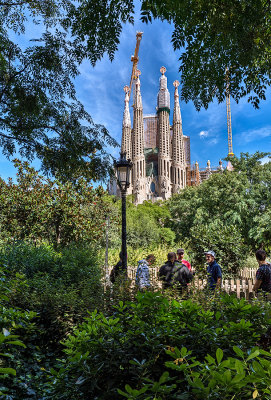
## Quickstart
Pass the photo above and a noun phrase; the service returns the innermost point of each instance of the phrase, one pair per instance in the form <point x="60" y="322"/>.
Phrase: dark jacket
<point x="172" y="274"/>
<point x="116" y="271"/>
<point x="264" y="274"/>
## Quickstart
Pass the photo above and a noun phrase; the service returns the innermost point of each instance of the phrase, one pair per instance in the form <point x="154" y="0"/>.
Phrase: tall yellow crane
<point x="134" y="60"/>
<point x="228" y="103"/>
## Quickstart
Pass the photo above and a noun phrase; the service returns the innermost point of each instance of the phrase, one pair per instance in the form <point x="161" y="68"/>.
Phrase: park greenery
<point x="64" y="335"/>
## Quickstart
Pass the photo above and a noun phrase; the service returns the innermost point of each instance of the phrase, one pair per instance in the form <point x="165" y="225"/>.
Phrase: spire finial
<point x="163" y="70"/>
<point x="176" y="84"/>
<point x="126" y="89"/>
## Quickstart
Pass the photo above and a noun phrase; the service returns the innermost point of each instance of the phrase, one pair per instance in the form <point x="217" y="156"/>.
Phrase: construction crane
<point x="134" y="60"/>
<point x="228" y="103"/>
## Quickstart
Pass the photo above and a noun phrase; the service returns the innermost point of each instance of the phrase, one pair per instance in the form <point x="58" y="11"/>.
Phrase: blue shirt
<point x="214" y="272"/>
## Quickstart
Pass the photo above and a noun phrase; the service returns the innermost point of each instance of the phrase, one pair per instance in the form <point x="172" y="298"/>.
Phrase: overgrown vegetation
<point x="227" y="213"/>
<point x="65" y="336"/>
<point x="133" y="347"/>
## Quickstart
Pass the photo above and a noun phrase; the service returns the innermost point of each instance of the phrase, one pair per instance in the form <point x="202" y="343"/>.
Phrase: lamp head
<point x="123" y="168"/>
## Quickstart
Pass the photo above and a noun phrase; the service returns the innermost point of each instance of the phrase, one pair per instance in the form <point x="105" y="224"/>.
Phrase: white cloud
<point x="265" y="160"/>
<point x="255" y="134"/>
<point x="213" y="141"/>
<point x="203" y="134"/>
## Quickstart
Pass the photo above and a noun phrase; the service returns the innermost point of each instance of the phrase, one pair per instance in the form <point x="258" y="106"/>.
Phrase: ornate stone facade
<point x="158" y="151"/>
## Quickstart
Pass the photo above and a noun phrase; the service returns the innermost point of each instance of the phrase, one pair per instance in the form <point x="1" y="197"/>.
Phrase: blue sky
<point x="100" y="89"/>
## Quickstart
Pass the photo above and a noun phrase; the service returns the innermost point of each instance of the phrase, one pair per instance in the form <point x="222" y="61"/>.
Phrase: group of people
<point x="177" y="272"/>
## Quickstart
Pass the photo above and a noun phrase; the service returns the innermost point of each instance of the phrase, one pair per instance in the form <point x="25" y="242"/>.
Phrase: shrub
<point x="59" y="288"/>
<point x="12" y="322"/>
<point x="245" y="376"/>
<point x="128" y="347"/>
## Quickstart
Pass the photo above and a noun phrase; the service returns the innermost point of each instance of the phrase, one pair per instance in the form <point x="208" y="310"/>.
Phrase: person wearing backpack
<point x="142" y="274"/>
<point x="173" y="273"/>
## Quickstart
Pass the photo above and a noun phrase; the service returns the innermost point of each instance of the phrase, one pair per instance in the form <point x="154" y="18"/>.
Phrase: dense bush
<point x="38" y="209"/>
<point x="12" y="321"/>
<point x="145" y="224"/>
<point x="59" y="288"/>
<point x="134" y="255"/>
<point x="128" y="347"/>
<point x="245" y="376"/>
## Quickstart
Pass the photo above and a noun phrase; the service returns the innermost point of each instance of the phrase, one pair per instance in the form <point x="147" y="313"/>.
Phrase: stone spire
<point x="138" y="158"/>
<point x="126" y="143"/>
<point x="164" y="156"/>
<point x="137" y="97"/>
<point x="163" y="98"/>
<point x="220" y="166"/>
<point x="177" y="118"/>
<point x="178" y="153"/>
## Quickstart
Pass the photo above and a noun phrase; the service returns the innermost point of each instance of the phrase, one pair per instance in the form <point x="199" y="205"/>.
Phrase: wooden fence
<point x="249" y="273"/>
<point x="241" y="286"/>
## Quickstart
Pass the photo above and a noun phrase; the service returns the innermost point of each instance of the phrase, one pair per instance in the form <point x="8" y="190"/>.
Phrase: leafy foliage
<point x="246" y="375"/>
<point x="128" y="348"/>
<point x="219" y="35"/>
<point x="40" y="115"/>
<point x="227" y="213"/>
<point x="12" y="320"/>
<point x="40" y="209"/>
<point x="58" y="289"/>
<point x="146" y="225"/>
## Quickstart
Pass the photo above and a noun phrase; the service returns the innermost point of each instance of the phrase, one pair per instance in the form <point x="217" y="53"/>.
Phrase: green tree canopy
<point x="39" y="113"/>
<point x="228" y="212"/>
<point x="40" y="209"/>
<point x="216" y="35"/>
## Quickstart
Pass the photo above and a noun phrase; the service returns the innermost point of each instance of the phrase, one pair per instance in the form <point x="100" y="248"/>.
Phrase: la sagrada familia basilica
<point x="160" y="152"/>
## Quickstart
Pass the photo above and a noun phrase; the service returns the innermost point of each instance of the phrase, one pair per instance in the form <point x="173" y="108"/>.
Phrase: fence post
<point x="238" y="288"/>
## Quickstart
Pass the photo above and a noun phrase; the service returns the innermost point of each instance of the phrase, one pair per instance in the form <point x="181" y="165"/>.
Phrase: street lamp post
<point x="123" y="168"/>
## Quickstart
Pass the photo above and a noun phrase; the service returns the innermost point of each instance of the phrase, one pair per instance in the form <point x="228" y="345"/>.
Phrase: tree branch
<point x="7" y="4"/>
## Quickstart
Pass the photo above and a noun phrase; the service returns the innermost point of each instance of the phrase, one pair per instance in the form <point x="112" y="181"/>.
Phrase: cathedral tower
<point x="178" y="152"/>
<point x="126" y="143"/>
<point x="138" y="158"/>
<point x="164" y="156"/>
<point x="160" y="153"/>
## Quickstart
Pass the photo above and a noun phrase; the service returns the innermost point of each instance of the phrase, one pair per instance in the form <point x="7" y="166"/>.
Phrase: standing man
<point x="263" y="275"/>
<point x="214" y="272"/>
<point x="142" y="274"/>
<point x="173" y="273"/>
<point x="180" y="258"/>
